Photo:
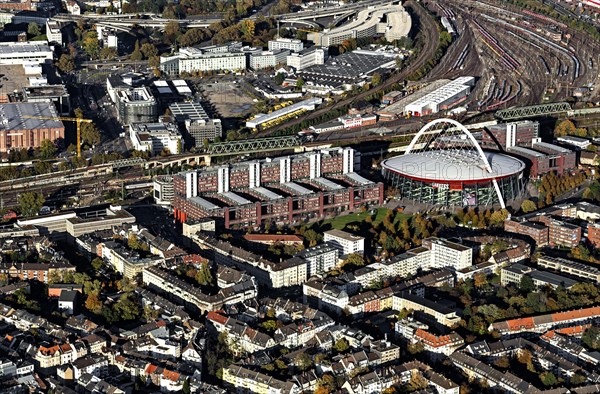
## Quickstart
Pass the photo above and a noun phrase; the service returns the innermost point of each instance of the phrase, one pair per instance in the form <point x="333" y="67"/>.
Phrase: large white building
<point x="367" y="24"/>
<point x="286" y="43"/>
<point x="442" y="98"/>
<point x="448" y="254"/>
<point x="53" y="32"/>
<point x="155" y="137"/>
<point x="307" y="57"/>
<point x="191" y="60"/>
<point x="265" y="59"/>
<point x="344" y="242"/>
<point x="25" y="52"/>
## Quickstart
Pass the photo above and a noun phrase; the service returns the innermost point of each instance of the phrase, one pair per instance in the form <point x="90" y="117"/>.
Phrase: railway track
<point x="430" y="40"/>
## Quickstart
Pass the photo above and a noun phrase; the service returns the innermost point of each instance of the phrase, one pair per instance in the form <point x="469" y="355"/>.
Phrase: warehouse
<point x="277" y="116"/>
<point x="19" y="128"/>
<point x="443" y="98"/>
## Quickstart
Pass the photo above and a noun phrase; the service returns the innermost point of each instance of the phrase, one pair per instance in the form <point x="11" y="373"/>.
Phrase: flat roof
<point x="452" y="165"/>
<point x="266" y="193"/>
<point x="23" y="47"/>
<point x="553" y="279"/>
<point x="327" y="184"/>
<point x="525" y="151"/>
<point x="236" y="198"/>
<point x="551" y="147"/>
<point x="13" y="116"/>
<point x="204" y="204"/>
<point x="343" y="234"/>
<point x="348" y="66"/>
<point x="297" y="189"/>
<point x="358" y="179"/>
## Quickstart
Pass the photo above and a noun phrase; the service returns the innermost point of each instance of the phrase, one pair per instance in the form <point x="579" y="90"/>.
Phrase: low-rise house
<point x="241" y="380"/>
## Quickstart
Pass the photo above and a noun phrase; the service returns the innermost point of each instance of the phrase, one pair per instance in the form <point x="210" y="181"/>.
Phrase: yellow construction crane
<point x="78" y="121"/>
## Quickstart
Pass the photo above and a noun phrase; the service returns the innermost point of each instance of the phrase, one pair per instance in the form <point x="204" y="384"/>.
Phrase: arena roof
<point x="452" y="165"/>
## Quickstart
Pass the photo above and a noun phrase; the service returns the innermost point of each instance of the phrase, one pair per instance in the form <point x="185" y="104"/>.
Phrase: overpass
<point x="331" y="11"/>
<point x="124" y="22"/>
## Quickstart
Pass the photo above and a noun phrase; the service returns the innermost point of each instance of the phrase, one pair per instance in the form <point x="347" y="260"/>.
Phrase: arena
<point x="453" y="170"/>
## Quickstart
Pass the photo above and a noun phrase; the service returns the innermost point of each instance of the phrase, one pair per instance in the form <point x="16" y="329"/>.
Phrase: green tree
<point x="90" y="44"/>
<point x="591" y="337"/>
<point x="279" y="78"/>
<point x="89" y="134"/>
<point x="108" y="53"/>
<point x="311" y="236"/>
<point x="33" y="29"/>
<point x="93" y="303"/>
<point x="548" y="378"/>
<point x="47" y="149"/>
<point x="30" y="203"/>
<point x="565" y="127"/>
<point x="126" y="308"/>
<point x="528" y="206"/>
<point x="186" y="387"/>
<point x="97" y="263"/>
<point x="526" y="285"/>
<point x="204" y="276"/>
<point x="341" y="345"/>
<point x="65" y="64"/>
<point x="148" y="50"/>
<point x="354" y="260"/>
<point x="303" y="361"/>
<point x="269" y="325"/>
<point x="136" y="55"/>
<point x="299" y="83"/>
<point x="172" y="31"/>
<point x="376" y="79"/>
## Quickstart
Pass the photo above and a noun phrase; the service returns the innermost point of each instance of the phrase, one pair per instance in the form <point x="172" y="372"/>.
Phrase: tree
<point x="186" y="386"/>
<point x="269" y="325"/>
<point x="89" y="134"/>
<point x="299" y="83"/>
<point x="192" y="37"/>
<point x="47" y="149"/>
<point x="97" y="263"/>
<point x="303" y="361"/>
<point x="528" y="206"/>
<point x="548" y="378"/>
<point x="93" y="303"/>
<point x="30" y="203"/>
<point x="526" y="284"/>
<point x="355" y="260"/>
<point x="136" y="55"/>
<point x="65" y="64"/>
<point x="204" y="276"/>
<point x="417" y="382"/>
<point x="376" y="79"/>
<point x="565" y="127"/>
<point x="341" y="345"/>
<point x="311" y="236"/>
<point x="108" y="53"/>
<point x="279" y="78"/>
<point x="33" y="29"/>
<point x="247" y="28"/>
<point x="591" y="337"/>
<point x="149" y="50"/>
<point x="90" y="44"/>
<point x="172" y="31"/>
<point x="127" y="309"/>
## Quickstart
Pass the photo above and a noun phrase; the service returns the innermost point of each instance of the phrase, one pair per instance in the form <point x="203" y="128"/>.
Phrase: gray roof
<point x="13" y="116"/>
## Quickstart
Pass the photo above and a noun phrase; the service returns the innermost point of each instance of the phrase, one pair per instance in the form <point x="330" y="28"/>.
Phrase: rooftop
<point x="14" y="116"/>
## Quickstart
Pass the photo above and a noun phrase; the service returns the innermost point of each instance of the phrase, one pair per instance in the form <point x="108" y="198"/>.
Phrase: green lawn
<point x="340" y="222"/>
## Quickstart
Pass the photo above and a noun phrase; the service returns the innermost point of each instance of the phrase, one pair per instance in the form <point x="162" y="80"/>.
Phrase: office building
<point x="446" y="253"/>
<point x="25" y="52"/>
<point x="155" y="137"/>
<point x="190" y="60"/>
<point x="307" y="57"/>
<point x="20" y="129"/>
<point x="163" y="189"/>
<point x="53" y="32"/>
<point x="286" y="43"/>
<point x="197" y="126"/>
<point x="136" y="105"/>
<point x="268" y="59"/>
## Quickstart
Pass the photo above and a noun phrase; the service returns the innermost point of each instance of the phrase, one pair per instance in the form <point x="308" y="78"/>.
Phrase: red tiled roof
<point x="577" y="314"/>
<point x="518" y="324"/>
<point x="272" y="238"/>
<point x="172" y="376"/>
<point x="150" y="369"/>
<point x="213" y="316"/>
<point x="431" y="339"/>
<point x="576" y="330"/>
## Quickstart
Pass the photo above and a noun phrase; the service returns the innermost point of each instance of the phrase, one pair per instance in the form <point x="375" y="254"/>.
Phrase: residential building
<point x="537" y="231"/>
<point x="563" y="234"/>
<point x="429" y="310"/>
<point x="573" y="268"/>
<point x="35" y="271"/>
<point x="320" y="259"/>
<point x="242" y="380"/>
<point x="163" y="189"/>
<point x="513" y="275"/>
<point x="67" y="301"/>
<point x="190" y="60"/>
<point x="448" y="254"/>
<point x="345" y="242"/>
<point x="155" y="137"/>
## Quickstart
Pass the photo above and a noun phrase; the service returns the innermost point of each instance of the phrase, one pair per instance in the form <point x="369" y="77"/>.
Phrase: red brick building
<point x="537" y="231"/>
<point x="280" y="190"/>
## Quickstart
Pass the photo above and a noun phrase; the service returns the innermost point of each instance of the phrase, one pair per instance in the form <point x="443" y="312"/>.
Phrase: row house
<point x="415" y="332"/>
<point x="242" y="380"/>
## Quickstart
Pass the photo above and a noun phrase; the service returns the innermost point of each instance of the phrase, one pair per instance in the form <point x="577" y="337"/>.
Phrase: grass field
<point x="342" y="221"/>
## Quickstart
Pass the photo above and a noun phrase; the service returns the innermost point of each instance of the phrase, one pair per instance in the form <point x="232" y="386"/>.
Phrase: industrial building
<point x="19" y="129"/>
<point x="441" y="99"/>
<point x="397" y="108"/>
<point x="277" y="116"/>
<point x="57" y="94"/>
<point x="345" y="71"/>
<point x="392" y="21"/>
<point x="197" y="126"/>
<point x="155" y="137"/>
<point x="286" y="43"/>
<point x="25" y="52"/>
<point x="279" y="190"/>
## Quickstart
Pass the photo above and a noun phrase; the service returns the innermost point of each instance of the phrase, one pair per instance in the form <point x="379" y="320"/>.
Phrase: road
<point x="430" y="40"/>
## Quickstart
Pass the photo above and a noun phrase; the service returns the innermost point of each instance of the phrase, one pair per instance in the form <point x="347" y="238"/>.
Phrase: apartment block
<point x="537" y="231"/>
<point x="563" y="234"/>
<point x="345" y="242"/>
<point x="573" y="268"/>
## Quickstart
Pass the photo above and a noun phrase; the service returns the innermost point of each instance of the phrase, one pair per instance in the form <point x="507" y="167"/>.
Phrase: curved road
<point x="430" y="38"/>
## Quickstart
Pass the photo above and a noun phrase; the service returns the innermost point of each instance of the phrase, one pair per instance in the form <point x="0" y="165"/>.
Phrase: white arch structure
<point x="474" y="143"/>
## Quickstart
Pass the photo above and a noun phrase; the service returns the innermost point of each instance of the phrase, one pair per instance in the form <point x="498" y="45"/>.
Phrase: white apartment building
<point x="164" y="191"/>
<point x="447" y="254"/>
<point x="308" y="57"/>
<point x="265" y="59"/>
<point x="155" y="137"/>
<point x="286" y="43"/>
<point x="320" y="259"/>
<point x="53" y="32"/>
<point x="25" y="52"/>
<point x="344" y="242"/>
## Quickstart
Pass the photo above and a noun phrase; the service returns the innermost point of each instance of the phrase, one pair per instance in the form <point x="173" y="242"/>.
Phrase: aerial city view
<point x="300" y="196"/>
